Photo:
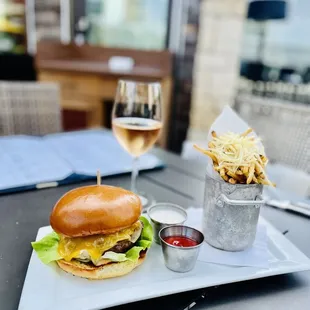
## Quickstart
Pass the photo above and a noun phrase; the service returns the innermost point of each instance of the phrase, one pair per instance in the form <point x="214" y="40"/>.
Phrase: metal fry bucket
<point x="230" y="214"/>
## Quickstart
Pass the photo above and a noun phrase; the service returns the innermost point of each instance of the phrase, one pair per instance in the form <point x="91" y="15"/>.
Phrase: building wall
<point x="216" y="67"/>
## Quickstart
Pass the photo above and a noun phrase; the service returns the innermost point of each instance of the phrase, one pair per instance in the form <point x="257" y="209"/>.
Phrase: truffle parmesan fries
<point x="238" y="158"/>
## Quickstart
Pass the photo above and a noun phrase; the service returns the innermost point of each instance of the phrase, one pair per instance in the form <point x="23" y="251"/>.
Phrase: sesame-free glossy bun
<point x="96" y="209"/>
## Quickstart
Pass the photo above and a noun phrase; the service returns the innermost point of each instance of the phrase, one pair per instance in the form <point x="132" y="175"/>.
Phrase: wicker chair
<point x="29" y="108"/>
<point x="284" y="127"/>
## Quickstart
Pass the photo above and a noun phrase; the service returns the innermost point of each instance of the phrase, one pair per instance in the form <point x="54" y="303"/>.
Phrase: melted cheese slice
<point x="70" y="248"/>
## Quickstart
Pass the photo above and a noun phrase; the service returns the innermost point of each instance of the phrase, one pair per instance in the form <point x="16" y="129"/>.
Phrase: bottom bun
<point x="90" y="272"/>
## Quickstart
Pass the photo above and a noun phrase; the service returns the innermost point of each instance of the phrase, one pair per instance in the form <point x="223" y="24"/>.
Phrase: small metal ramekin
<point x="157" y="226"/>
<point x="180" y="259"/>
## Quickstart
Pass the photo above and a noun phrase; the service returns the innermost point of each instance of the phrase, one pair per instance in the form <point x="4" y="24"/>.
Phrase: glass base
<point x="146" y="199"/>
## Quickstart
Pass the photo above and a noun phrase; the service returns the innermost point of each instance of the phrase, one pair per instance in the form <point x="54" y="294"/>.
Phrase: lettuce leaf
<point x="47" y="248"/>
<point x="147" y="231"/>
<point x="143" y="243"/>
<point x="114" y="257"/>
<point x="134" y="253"/>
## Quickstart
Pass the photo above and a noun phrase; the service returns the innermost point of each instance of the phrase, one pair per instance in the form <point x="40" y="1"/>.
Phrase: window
<point x="140" y="24"/>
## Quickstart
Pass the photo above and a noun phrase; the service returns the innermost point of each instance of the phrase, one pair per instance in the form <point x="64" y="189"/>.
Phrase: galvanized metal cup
<point x="157" y="226"/>
<point x="177" y="258"/>
<point x="230" y="214"/>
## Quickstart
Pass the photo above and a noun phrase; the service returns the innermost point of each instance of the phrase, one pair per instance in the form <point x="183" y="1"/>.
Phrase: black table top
<point x="181" y="182"/>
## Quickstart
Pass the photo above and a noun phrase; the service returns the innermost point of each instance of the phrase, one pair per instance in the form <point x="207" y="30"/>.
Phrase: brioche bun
<point x="91" y="272"/>
<point x="95" y="209"/>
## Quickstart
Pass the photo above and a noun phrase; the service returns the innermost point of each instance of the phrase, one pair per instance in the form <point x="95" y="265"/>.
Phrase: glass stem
<point x="134" y="174"/>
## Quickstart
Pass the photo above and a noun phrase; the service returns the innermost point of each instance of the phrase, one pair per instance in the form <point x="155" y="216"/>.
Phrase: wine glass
<point x="137" y="121"/>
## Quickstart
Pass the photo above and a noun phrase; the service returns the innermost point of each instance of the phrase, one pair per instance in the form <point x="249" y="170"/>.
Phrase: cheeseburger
<point x="97" y="233"/>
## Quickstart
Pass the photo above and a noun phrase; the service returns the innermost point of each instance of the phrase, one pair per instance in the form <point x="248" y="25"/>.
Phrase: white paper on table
<point x="255" y="256"/>
<point x="89" y="150"/>
<point x="227" y="121"/>
<point x="290" y="180"/>
<point x="26" y="161"/>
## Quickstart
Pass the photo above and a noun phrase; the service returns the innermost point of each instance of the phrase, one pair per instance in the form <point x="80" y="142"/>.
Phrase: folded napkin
<point x="255" y="256"/>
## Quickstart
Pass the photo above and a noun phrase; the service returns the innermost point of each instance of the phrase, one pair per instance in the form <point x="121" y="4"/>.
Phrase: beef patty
<point x="121" y="246"/>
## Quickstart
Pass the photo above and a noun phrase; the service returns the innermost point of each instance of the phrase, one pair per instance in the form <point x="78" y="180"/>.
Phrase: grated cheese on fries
<point x="238" y="158"/>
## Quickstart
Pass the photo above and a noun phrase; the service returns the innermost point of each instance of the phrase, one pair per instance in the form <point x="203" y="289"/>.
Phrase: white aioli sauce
<point x="167" y="216"/>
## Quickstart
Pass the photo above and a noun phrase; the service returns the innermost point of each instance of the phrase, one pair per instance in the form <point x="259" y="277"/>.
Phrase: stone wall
<point x="216" y="67"/>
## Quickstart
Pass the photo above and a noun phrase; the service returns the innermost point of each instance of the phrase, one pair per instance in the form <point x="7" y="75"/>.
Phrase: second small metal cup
<point x="159" y="222"/>
<point x="180" y="259"/>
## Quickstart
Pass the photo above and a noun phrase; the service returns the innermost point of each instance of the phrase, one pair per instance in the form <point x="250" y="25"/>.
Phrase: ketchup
<point x="182" y="242"/>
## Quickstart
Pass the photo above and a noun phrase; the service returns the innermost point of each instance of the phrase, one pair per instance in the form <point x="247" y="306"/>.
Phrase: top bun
<point x="95" y="209"/>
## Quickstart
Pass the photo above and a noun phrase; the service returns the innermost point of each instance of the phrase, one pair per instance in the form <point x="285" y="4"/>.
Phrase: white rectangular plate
<point x="48" y="287"/>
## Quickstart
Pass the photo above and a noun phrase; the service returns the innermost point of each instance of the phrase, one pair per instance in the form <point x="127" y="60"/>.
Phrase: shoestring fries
<point x="237" y="158"/>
